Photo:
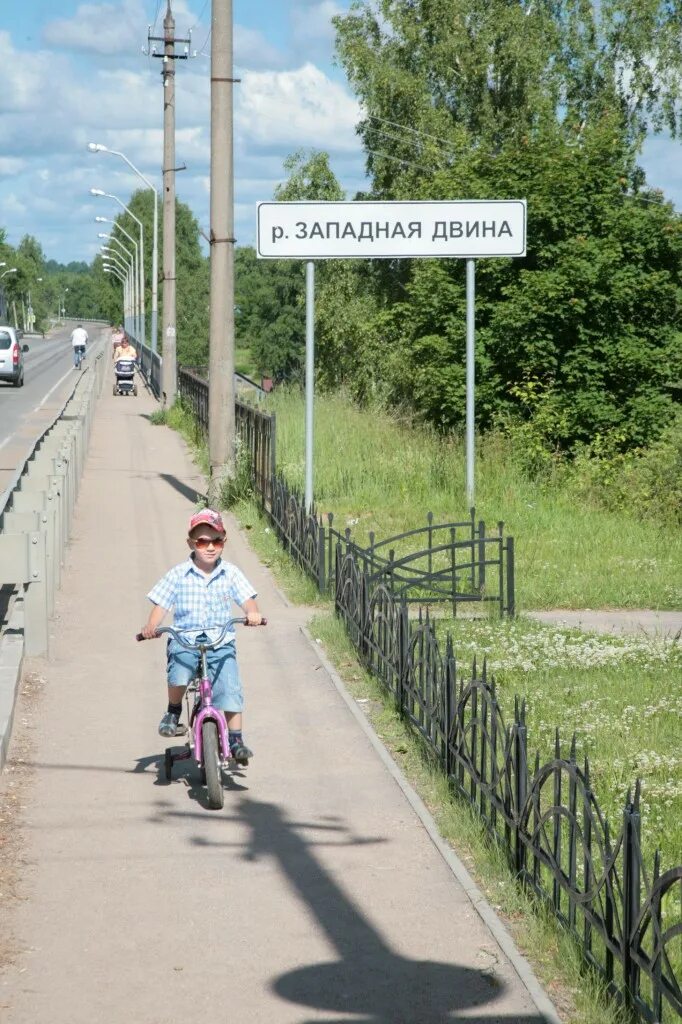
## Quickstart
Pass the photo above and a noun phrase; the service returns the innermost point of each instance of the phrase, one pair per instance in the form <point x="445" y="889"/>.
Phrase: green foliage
<point x="270" y="312"/>
<point x="310" y="178"/>
<point x="575" y="547"/>
<point x="269" y="315"/>
<point x="546" y="102"/>
<point x="238" y="489"/>
<point x="646" y="481"/>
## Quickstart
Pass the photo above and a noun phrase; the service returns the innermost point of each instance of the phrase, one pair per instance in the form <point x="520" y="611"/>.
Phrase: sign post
<point x="309" y="379"/>
<point x="458" y="229"/>
<point x="470" y="378"/>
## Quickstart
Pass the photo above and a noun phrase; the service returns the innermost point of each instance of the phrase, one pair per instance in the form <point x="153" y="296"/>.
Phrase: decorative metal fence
<point x="439" y="563"/>
<point x="457" y="563"/>
<point x="625" y="918"/>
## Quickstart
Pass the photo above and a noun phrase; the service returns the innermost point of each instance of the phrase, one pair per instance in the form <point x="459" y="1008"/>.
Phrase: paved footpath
<point x="315" y="896"/>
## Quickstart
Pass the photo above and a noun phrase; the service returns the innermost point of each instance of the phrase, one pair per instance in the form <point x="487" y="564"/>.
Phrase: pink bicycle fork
<point x="208" y="711"/>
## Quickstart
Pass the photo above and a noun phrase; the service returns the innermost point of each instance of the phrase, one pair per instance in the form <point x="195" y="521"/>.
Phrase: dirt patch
<point x="14" y="783"/>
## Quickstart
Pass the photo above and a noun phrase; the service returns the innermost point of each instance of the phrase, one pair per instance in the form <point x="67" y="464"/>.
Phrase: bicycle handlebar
<point x="194" y="646"/>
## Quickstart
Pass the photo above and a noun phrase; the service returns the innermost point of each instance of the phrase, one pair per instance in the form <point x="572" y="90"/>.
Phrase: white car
<point x="11" y="356"/>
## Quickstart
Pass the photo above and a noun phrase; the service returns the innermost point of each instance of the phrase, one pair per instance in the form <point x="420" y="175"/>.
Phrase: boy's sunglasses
<point x="206" y="542"/>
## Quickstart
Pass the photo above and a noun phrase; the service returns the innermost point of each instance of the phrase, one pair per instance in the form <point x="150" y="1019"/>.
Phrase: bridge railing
<point x="36" y="510"/>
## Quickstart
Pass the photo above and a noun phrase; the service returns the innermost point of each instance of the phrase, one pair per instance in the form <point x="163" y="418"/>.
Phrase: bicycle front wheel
<point x="211" y="755"/>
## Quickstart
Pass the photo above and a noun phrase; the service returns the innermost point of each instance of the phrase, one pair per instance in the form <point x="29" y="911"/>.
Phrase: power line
<point x="198" y="21"/>
<point x="156" y="16"/>
<point x="408" y="163"/>
<point x="406" y="128"/>
<point x="396" y="138"/>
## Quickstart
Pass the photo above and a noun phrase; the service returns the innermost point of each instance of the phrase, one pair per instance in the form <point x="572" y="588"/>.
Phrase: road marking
<point x="41" y="404"/>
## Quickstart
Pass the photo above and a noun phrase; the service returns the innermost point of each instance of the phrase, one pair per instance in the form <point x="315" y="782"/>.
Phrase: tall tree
<point x="547" y="100"/>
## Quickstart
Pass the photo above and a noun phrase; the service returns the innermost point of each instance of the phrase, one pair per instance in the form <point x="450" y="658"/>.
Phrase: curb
<point x="525" y="973"/>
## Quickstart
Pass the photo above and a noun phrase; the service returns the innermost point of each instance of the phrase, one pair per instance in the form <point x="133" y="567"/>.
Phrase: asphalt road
<point x="48" y="378"/>
<point x="46" y="363"/>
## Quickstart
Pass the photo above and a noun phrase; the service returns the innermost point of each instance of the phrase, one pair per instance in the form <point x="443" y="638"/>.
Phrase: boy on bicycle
<point x="200" y="590"/>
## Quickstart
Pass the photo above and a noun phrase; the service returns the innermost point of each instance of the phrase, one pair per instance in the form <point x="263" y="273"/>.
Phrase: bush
<point x="647" y="481"/>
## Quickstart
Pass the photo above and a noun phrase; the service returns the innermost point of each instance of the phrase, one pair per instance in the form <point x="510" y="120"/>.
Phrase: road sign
<point x="465" y="229"/>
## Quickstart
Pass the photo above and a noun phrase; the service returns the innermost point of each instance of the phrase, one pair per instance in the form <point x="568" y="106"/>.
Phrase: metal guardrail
<point x="36" y="510"/>
<point x="150" y="365"/>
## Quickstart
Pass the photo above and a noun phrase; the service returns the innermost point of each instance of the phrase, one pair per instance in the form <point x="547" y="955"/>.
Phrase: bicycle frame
<point x="206" y="710"/>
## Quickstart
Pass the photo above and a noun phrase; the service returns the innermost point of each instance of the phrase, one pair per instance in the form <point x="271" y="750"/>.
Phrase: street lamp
<point x="116" y="273"/>
<point x="136" y="277"/>
<point x="97" y="147"/>
<point x="12" y="270"/>
<point x="109" y="195"/>
<point x="62" y="304"/>
<point x="128" y="270"/>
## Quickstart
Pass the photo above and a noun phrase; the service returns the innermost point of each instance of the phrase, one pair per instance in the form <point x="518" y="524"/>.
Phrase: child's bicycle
<point x="207" y="736"/>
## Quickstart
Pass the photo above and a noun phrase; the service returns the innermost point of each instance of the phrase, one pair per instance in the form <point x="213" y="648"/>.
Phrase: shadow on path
<point x="369" y="981"/>
<point x="190" y="493"/>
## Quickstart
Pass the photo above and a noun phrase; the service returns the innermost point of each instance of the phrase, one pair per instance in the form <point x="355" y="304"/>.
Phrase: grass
<point x="375" y="473"/>
<point x="244" y="363"/>
<point x="621" y="695"/>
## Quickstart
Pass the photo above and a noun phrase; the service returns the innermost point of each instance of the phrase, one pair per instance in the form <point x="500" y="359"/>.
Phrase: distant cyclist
<point x="79" y="339"/>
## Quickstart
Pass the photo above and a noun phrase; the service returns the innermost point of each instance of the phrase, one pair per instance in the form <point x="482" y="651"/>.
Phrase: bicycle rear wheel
<point x="211" y="756"/>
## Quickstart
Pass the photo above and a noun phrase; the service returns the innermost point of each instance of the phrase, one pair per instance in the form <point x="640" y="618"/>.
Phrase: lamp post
<point x="137" y="304"/>
<point x="96" y="147"/>
<point x="112" y="270"/>
<point x="123" y="278"/>
<point x="126" y="268"/>
<point x="103" y="220"/>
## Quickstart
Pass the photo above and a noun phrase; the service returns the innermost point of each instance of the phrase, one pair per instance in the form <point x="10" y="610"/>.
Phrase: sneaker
<point x="241" y="753"/>
<point x="168" y="725"/>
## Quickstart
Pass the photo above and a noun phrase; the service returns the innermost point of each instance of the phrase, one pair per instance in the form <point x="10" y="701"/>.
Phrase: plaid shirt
<point x="202" y="603"/>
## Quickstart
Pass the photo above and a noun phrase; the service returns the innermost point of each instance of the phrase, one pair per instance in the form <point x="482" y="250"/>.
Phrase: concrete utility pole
<point x="221" y="336"/>
<point x="169" y="339"/>
<point x="170" y="372"/>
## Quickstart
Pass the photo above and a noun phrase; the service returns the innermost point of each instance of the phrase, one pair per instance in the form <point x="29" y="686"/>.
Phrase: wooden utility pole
<point x="221" y="338"/>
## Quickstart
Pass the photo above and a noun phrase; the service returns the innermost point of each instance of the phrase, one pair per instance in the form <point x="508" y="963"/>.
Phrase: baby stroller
<point x="124" y="372"/>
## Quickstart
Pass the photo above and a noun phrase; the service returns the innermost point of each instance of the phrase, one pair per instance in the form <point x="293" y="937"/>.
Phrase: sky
<point x="73" y="73"/>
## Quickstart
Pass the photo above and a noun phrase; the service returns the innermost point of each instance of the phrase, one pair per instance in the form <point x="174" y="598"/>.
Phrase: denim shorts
<point x="183" y="666"/>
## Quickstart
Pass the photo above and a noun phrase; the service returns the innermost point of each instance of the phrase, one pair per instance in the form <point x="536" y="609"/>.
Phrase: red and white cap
<point x="210" y="518"/>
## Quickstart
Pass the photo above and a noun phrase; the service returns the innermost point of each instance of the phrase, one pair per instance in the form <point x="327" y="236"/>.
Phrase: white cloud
<point x="252" y="50"/>
<point x="297" y="108"/>
<point x="9" y="166"/>
<point x="312" y="23"/>
<point x="100" y="28"/>
<point x="46" y="173"/>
